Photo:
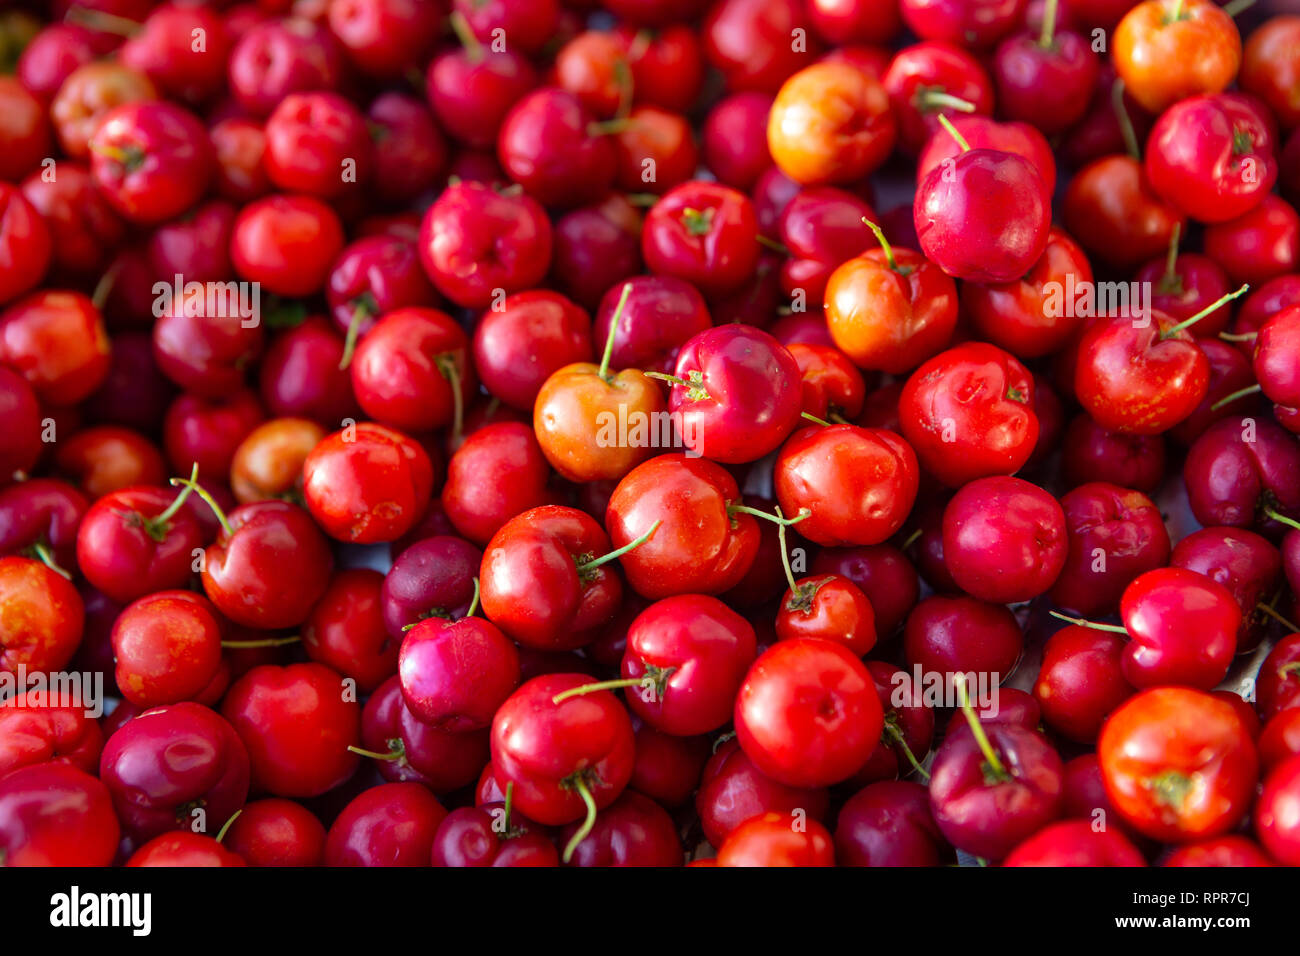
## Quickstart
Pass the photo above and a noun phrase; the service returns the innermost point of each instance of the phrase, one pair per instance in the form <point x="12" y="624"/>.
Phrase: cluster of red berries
<point x="504" y="432"/>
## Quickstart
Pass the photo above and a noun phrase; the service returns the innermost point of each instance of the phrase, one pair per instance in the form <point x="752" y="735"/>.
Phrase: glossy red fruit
<point x="367" y="483"/>
<point x="150" y="160"/>
<point x="705" y="233"/>
<point x="497" y="473"/>
<point x="1081" y="681"/>
<point x="56" y="815"/>
<point x="41" y="616"/>
<point x="37" y="730"/>
<point x="1075" y="843"/>
<point x="775" y="839"/>
<point x="455" y="674"/>
<point x="889" y="824"/>
<point x="184" y="849"/>
<point x="1183" y="629"/>
<point x="807" y="713"/>
<point x="277" y="832"/>
<point x="57" y="342"/>
<point x="287" y="243"/>
<point x="392" y="824"/>
<point x="632" y="831"/>
<point x="167" y="646"/>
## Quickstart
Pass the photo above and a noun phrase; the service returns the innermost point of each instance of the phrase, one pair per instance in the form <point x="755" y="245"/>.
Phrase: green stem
<point x="785" y="557"/>
<point x="912" y="538"/>
<point x="460" y="26"/>
<point x="670" y="379"/>
<point x="613" y="327"/>
<point x="952" y="131"/>
<point x="510" y="804"/>
<point x="1238" y="336"/>
<point x="208" y="500"/>
<point x="1048" y="34"/>
<point x="1217" y="304"/>
<point x="1237" y="7"/>
<point x="901" y="742"/>
<point x="977" y="729"/>
<point x="884" y="244"/>
<point x="733" y="509"/>
<point x="46" y="557"/>
<point x="221" y="834"/>
<point x="1083" y="622"/>
<point x="581" y="786"/>
<point x="592" y="688"/>
<point x="1278" y="516"/>
<point x="814" y="419"/>
<point x="1239" y="393"/>
<point x="1125" y="122"/>
<point x="267" y="642"/>
<point x="1277" y="617"/>
<point x="391" y="755"/>
<point x="359" y="315"/>
<point x="170" y="512"/>
<point x="619" y="552"/>
<point x="473" y="605"/>
<point x="773" y="244"/>
<point x="931" y="99"/>
<point x="450" y="370"/>
<point x="1171" y="282"/>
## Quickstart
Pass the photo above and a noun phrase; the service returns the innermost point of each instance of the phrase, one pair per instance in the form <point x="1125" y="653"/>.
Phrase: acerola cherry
<point x="705" y="233"/>
<point x="41" y="616"/>
<point x="167" y="646"/>
<point x="889" y="824"/>
<point x="807" y="713"/>
<point x="151" y="160"/>
<point x="276" y="832"/>
<point x="53" y="814"/>
<point x="497" y="473"/>
<point x="773" y="839"/>
<point x="1080" y="681"/>
<point x="392" y="824"/>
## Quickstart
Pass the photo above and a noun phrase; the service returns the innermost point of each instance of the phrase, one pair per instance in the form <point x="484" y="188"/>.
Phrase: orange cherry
<point x="1167" y="50"/>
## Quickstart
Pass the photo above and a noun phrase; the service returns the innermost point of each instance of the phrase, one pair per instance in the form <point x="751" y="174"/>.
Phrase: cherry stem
<point x="101" y="21"/>
<point x="1083" y="622"/>
<point x="623" y="78"/>
<point x="115" y="153"/>
<point x="1237" y="6"/>
<point x="221" y="834"/>
<point x="977" y="729"/>
<point x="1286" y="670"/>
<point x="361" y="751"/>
<point x="1048" y="34"/>
<point x="592" y="688"/>
<point x="670" y="379"/>
<point x="581" y="786"/>
<point x="170" y="512"/>
<point x="772" y="244"/>
<point x="450" y="370"/>
<point x="884" y="243"/>
<point x="814" y="419"/>
<point x="901" y="742"/>
<point x="609" y="127"/>
<point x="1278" y="516"/>
<point x="473" y="605"/>
<point x="1171" y="259"/>
<point x="267" y="642"/>
<point x="645" y="200"/>
<point x="1277" y="617"/>
<point x="1238" y="336"/>
<point x="1239" y="393"/>
<point x="460" y="26"/>
<point x="359" y="315"/>
<point x="912" y="538"/>
<point x="1213" y="306"/>
<point x="619" y="552"/>
<point x="46" y="556"/>
<point x="930" y="99"/>
<point x="1177" y="13"/>
<point x="510" y="804"/>
<point x="613" y="327"/>
<point x="104" y="287"/>
<point x="785" y="557"/>
<point x="208" y="500"/>
<point x="732" y="509"/>
<point x="1125" y="122"/>
<point x="952" y="131"/>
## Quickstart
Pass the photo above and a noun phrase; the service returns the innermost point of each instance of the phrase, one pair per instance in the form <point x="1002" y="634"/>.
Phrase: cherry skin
<point x="948" y="635"/>
<point x="884" y="575"/>
<point x="983" y="132"/>
<point x="1027" y="65"/>
<point x="830" y="123"/>
<point x="367" y="483"/>
<point x="175" y="767"/>
<point x="409" y="368"/>
<point x="773" y="840"/>
<point x="830" y="714"/>
<point x="704" y="233"/>
<point x="889" y="824"/>
<point x="20" y="416"/>
<point x="685" y="659"/>
<point x="373" y="276"/>
<point x="1278" y="681"/>
<point x="184" y="848"/>
<point x="1081" y="681"/>
<point x="890" y="309"/>
<point x="858" y="484"/>
<point x="497" y="473"/>
<point x="41" y="616"/>
<point x="926" y="80"/>
<point x="1211" y="157"/>
<point x="976" y="23"/>
<point x="278" y="57"/>
<point x="732" y="790"/>
<point x="832" y="385"/>
<point x="1245" y="563"/>
<point x="1178" y="764"/>
<point x="151" y="160"/>
<point x="392" y="824"/>
<point x="53" y="814"/>
<point x="597" y="246"/>
<point x="735" y="394"/>
<point x="277" y="832"/>
<point x="968" y="413"/>
<point x="830" y="607"/>
<point x="1111" y="209"/>
<point x="984" y="218"/>
<point x="434" y="577"/>
<point x="1230" y="850"/>
<point x="703" y="543"/>
<point x="1004" y="539"/>
<point x="734" y="139"/>
<point x="34" y="730"/>
<point x="1093" y="453"/>
<point x="167" y="646"/>
<point x="632" y="831"/>
<point x="548" y="146"/>
<point x="519" y="344"/>
<point x="472" y="89"/>
<point x="346" y="630"/>
<point x="483" y="836"/>
<point x="1183" y="628"/>
<point x="25" y="243"/>
<point x="287" y="243"/>
<point x="1275" y="814"/>
<point x="455" y="674"/>
<point x="1075" y="843"/>
<point x="1167" y="50"/>
<point x="474" y="240"/>
<point x="1114" y="534"/>
<point x="57" y="342"/>
<point x="822" y="227"/>
<point x="1275" y="349"/>
<point x="1240" y="469"/>
<point x="1280" y="739"/>
<point x="297" y="724"/>
<point x="667" y="768"/>
<point x="137" y="541"/>
<point x="749" y="42"/>
<point x="989" y="791"/>
<point x="564" y="758"/>
<point x="301" y="375"/>
<point x="1259" y="245"/>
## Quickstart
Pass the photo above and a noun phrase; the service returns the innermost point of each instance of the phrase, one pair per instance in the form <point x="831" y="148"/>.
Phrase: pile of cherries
<point x="525" y="432"/>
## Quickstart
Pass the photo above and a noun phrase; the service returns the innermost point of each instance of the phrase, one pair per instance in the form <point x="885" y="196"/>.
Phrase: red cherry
<point x="56" y="815"/>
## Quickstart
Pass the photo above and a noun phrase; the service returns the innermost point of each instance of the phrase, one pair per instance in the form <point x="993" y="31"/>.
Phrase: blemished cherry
<point x="830" y="717"/>
<point x="167" y="646"/>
